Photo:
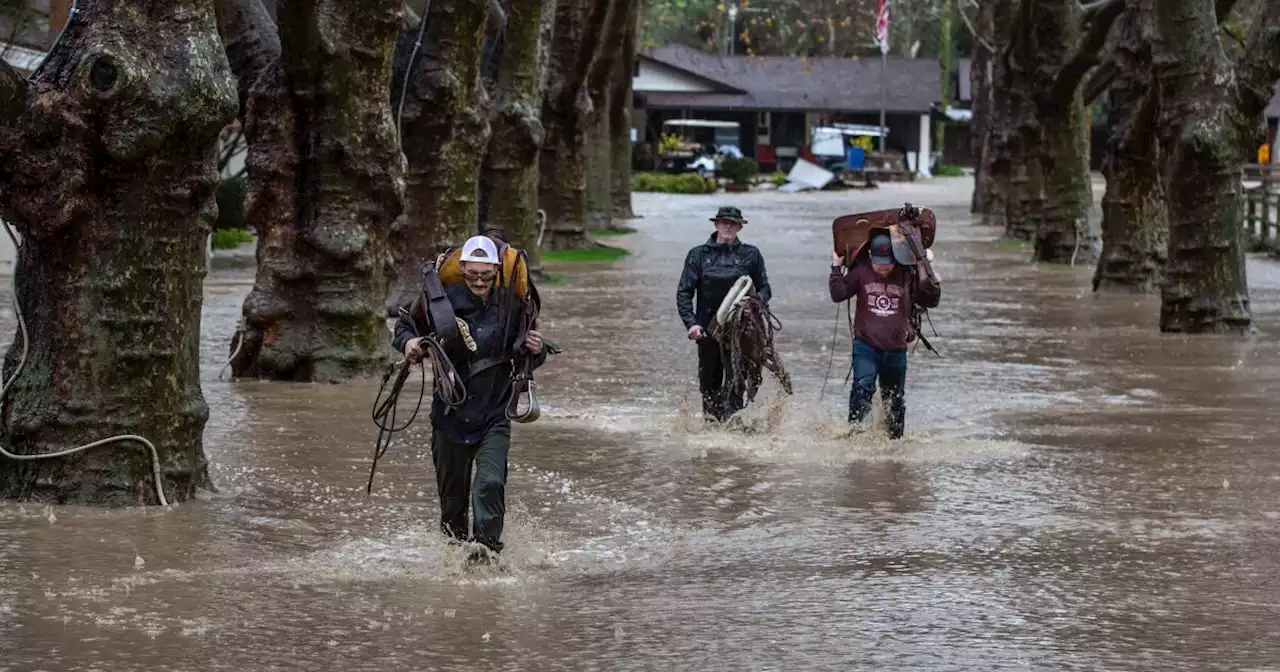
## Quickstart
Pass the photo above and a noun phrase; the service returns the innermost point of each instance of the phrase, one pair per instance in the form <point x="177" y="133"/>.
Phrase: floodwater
<point x="1075" y="491"/>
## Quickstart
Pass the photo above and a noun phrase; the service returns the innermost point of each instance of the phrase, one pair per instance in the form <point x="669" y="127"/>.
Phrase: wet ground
<point x="1075" y="491"/>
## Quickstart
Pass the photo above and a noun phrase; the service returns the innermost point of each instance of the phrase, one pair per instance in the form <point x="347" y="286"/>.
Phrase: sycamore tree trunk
<point x="1135" y="224"/>
<point x="1206" y="111"/>
<point x="1026" y="191"/>
<point x="1062" y="53"/>
<point x="1020" y="131"/>
<point x="511" y="165"/>
<point x="109" y="156"/>
<point x="1000" y="132"/>
<point x="566" y="114"/>
<point x="1066" y="232"/>
<point x="444" y="132"/>
<point x="599" y="164"/>
<point x="621" y="96"/>
<point x="607" y="103"/>
<point x="325" y="184"/>
<point x="980" y="93"/>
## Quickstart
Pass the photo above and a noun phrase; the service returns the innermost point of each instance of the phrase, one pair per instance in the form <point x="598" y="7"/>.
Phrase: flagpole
<point x="884" y="90"/>
<point x="882" y="35"/>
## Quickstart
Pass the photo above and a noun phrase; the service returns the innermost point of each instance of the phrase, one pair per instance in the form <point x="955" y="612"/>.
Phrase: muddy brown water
<point x="1075" y="491"/>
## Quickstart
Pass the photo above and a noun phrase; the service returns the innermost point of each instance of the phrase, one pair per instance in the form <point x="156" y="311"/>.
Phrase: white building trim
<point x="655" y="77"/>
<point x="24" y="59"/>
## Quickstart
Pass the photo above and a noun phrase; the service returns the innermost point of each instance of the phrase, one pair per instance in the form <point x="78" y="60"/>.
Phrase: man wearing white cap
<point x="497" y="339"/>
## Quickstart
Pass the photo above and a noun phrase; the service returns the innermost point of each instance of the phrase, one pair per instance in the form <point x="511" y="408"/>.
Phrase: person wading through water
<point x="885" y="292"/>
<point x="498" y="337"/>
<point x="710" y="270"/>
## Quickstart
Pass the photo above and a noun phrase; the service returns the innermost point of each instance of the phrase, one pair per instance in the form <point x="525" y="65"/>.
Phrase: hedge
<point x="682" y="183"/>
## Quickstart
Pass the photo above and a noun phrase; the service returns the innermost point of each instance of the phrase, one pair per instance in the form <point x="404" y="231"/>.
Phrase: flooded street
<point x="1075" y="491"/>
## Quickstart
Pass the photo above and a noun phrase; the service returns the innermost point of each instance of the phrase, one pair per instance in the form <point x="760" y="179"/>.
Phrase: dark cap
<point x="881" y="249"/>
<point x="730" y="213"/>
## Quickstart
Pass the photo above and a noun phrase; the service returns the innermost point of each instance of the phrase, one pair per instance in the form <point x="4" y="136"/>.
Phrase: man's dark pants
<point x="717" y="403"/>
<point x="890" y="367"/>
<point x="485" y="495"/>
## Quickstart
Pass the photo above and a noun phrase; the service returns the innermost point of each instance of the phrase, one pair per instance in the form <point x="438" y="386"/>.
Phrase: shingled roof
<point x="798" y="84"/>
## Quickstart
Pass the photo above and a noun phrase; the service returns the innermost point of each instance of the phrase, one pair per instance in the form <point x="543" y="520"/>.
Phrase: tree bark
<point x="109" y="157"/>
<point x="511" y="165"/>
<point x="326" y="182"/>
<point x="1062" y="55"/>
<point x="980" y="94"/>
<point x="1026" y="193"/>
<point x="444" y="133"/>
<point x="620" y="105"/>
<point x="999" y="132"/>
<point x="251" y="43"/>
<point x="1067" y="234"/>
<point x="602" y="84"/>
<point x="1020" y="133"/>
<point x="566" y="114"/>
<point x="599" y="163"/>
<point x="1202" y="123"/>
<point x="1135" y="225"/>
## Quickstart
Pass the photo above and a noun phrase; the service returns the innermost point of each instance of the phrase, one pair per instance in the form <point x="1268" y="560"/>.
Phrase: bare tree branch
<point x="1090" y="10"/>
<point x="1260" y="69"/>
<point x="13" y="92"/>
<point x="977" y="35"/>
<point x="1100" y="79"/>
<point x="251" y="41"/>
<point x="597" y="17"/>
<point x="1086" y="55"/>
<point x="497" y="16"/>
<point x="1222" y="8"/>
<point x="614" y="32"/>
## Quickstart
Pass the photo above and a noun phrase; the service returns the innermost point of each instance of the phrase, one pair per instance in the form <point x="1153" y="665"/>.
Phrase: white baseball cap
<point x="481" y="249"/>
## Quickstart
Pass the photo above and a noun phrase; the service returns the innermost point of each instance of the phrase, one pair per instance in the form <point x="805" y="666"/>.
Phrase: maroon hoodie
<point x="883" y="304"/>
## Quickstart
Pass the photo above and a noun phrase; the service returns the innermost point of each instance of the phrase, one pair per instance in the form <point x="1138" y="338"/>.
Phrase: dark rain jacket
<point x="489" y="390"/>
<point x="710" y="270"/>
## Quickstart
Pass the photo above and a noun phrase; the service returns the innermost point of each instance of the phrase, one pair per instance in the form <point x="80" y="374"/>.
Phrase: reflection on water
<point x="1075" y="491"/>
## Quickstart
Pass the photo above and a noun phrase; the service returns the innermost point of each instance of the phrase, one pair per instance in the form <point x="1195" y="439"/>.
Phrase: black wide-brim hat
<point x="730" y="213"/>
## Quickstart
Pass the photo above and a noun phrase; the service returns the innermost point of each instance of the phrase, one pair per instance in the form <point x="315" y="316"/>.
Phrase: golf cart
<point x="697" y="145"/>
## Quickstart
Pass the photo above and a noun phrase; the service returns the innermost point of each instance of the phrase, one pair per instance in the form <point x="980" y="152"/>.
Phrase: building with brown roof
<point x="778" y="100"/>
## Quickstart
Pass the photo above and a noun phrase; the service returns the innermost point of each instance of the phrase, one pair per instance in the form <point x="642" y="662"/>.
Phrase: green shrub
<point x="947" y="170"/>
<point x="645" y="182"/>
<point x="778" y="178"/>
<point x="226" y="239"/>
<point x="740" y="171"/>
<point x="683" y="183"/>
<point x="690" y="183"/>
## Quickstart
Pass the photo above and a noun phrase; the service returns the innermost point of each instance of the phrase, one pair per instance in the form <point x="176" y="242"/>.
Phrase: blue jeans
<point x="890" y="367"/>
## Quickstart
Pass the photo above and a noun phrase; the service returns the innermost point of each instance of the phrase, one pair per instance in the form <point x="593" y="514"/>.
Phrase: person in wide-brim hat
<point x="710" y="271"/>
<point x="729" y="213"/>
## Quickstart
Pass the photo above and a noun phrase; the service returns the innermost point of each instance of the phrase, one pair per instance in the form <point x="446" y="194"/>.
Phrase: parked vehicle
<point x="841" y="146"/>
<point x="697" y="145"/>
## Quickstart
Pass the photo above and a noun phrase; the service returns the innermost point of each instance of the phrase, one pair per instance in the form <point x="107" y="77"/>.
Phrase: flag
<point x="882" y="25"/>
